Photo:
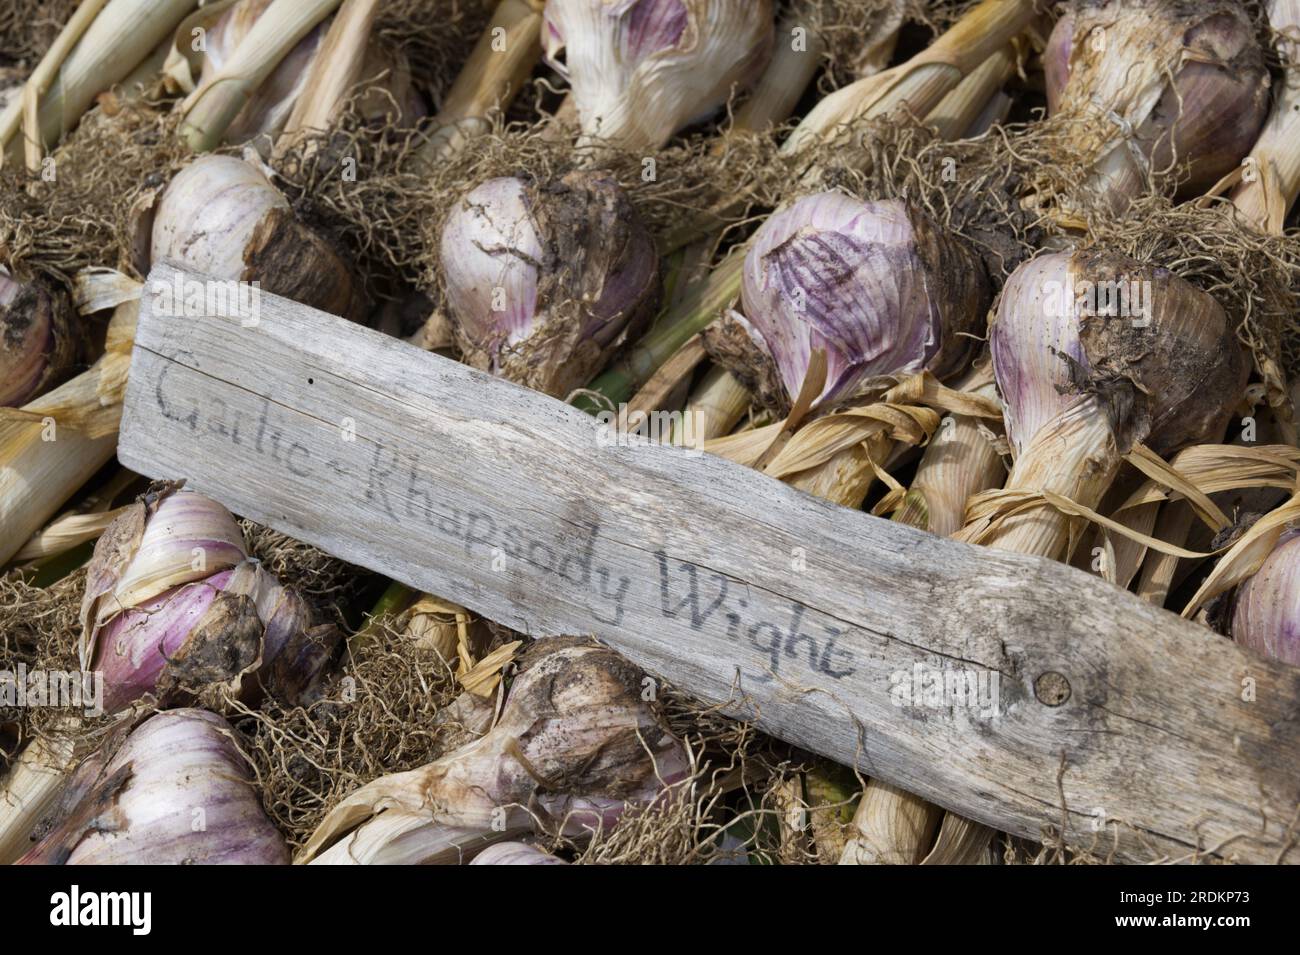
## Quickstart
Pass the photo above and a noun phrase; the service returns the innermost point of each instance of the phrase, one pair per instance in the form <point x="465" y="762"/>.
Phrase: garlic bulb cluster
<point x="640" y="70"/>
<point x="221" y="217"/>
<point x="1266" y="608"/>
<point x="175" y="792"/>
<point x="546" y="280"/>
<point x="1168" y="80"/>
<point x="173" y="605"/>
<point x="877" y="286"/>
<point x="38" y="342"/>
<point x="269" y="107"/>
<point x="575" y="745"/>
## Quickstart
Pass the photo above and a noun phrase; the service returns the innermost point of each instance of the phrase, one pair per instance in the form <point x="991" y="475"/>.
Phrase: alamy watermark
<point x="624" y="428"/>
<point x="1107" y="299"/>
<point x="201" y="298"/>
<point x="70" y="689"/>
<point x="946" y="687"/>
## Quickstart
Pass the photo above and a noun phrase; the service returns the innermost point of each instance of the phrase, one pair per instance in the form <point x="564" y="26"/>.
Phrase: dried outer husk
<point x="1149" y="85"/>
<point x="220" y="98"/>
<point x="961" y="459"/>
<point x="83" y="521"/>
<point x="839" y="455"/>
<point x="1208" y="469"/>
<point x="38" y="475"/>
<point x="347" y="57"/>
<point x="643" y="70"/>
<point x="1083" y="389"/>
<point x="136" y="801"/>
<point x="121" y="36"/>
<point x="440" y="626"/>
<point x="574" y="743"/>
<point x="1245" y="557"/>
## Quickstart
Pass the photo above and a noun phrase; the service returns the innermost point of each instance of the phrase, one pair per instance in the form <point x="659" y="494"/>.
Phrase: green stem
<point x="396" y="598"/>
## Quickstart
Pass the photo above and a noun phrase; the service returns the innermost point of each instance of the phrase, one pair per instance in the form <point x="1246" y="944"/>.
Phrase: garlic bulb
<point x="1266" y="608"/>
<point x="515" y="853"/>
<point x="269" y="107"/>
<point x="545" y="281"/>
<point x="1159" y="354"/>
<point x="574" y="746"/>
<point x="173" y="604"/>
<point x="38" y="343"/>
<point x="876" y="285"/>
<point x="1168" y="80"/>
<point x="176" y="792"/>
<point x="641" y="70"/>
<point x="221" y="217"/>
<point x="1093" y="355"/>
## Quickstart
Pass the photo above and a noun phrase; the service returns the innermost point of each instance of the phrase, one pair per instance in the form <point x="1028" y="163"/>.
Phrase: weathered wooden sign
<point x="1014" y="690"/>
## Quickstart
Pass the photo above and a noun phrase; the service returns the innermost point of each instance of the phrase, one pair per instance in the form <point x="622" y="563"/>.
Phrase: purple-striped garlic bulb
<point x="1161" y="81"/>
<point x="38" y="341"/>
<point x="546" y="280"/>
<point x="576" y="744"/>
<point x="1095" y="353"/>
<point x="174" y="607"/>
<point x="175" y="792"/>
<point x="1266" y="607"/>
<point x="640" y="70"/>
<point x="877" y="286"/>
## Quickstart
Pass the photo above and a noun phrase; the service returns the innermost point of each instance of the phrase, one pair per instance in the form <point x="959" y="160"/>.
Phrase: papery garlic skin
<point x="1187" y="78"/>
<point x="222" y="218"/>
<point x="515" y="853"/>
<point x="38" y="343"/>
<point x="545" y="281"/>
<point x="172" y="603"/>
<point x="641" y="70"/>
<point x="177" y="792"/>
<point x="1266" y="608"/>
<point x="876" y="285"/>
<point x="574" y="746"/>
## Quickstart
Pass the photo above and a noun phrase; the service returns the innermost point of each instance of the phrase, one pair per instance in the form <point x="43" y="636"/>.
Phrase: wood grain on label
<point x="990" y="683"/>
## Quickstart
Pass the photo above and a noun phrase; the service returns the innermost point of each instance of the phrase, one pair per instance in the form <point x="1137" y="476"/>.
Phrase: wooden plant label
<point x="1014" y="690"/>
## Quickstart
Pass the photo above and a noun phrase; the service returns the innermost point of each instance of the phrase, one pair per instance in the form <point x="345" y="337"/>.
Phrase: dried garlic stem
<point x="211" y="108"/>
<point x="497" y="69"/>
